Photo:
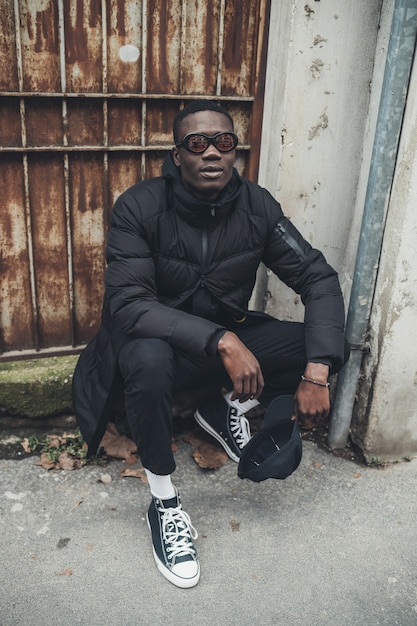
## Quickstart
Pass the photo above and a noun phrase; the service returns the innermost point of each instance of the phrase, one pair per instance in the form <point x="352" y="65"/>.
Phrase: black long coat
<point x="176" y="265"/>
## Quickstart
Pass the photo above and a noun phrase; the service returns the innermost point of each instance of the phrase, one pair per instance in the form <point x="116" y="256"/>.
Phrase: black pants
<point x="153" y="372"/>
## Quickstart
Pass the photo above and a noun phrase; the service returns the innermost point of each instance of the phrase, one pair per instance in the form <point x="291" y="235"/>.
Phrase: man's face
<point x="206" y="174"/>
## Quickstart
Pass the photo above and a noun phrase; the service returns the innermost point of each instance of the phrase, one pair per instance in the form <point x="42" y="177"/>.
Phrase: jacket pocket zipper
<point x="289" y="239"/>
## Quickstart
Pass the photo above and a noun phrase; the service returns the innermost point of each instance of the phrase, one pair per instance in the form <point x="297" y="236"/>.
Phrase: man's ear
<point x="176" y="155"/>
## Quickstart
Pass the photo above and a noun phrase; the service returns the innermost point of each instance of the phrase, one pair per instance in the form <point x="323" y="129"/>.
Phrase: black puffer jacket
<point x="179" y="268"/>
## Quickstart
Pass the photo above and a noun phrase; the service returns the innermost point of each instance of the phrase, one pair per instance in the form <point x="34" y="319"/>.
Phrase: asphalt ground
<point x="334" y="544"/>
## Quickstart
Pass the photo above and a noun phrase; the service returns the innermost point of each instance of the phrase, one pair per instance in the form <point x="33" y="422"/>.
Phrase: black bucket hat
<point x="276" y="450"/>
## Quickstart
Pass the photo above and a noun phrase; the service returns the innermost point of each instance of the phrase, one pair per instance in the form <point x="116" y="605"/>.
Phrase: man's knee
<point x="150" y="358"/>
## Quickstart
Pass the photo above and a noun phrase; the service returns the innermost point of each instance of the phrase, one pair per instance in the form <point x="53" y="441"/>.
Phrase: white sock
<point x="161" y="486"/>
<point x="242" y="407"/>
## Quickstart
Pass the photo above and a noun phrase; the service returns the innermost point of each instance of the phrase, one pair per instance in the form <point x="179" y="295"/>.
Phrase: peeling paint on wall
<point x="321" y="125"/>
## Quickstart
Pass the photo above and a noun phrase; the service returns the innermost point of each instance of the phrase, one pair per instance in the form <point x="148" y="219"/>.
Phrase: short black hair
<point x="195" y="107"/>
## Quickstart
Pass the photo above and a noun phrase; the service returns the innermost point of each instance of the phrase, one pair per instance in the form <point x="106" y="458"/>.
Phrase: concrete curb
<point x="37" y="388"/>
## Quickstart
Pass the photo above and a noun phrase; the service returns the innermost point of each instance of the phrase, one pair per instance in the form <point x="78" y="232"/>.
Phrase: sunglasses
<point x="199" y="142"/>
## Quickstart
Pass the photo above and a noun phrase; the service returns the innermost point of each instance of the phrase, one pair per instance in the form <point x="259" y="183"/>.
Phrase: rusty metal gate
<point x="88" y="93"/>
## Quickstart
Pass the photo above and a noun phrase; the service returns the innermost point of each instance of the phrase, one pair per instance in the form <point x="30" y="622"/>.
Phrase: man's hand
<point x="312" y="402"/>
<point x="242" y="367"/>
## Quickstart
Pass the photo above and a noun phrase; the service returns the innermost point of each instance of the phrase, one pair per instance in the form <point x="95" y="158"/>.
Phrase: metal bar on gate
<point x="61" y="37"/>
<point x="144" y="86"/>
<point x="183" y="45"/>
<point x="258" y="88"/>
<point x="28" y="217"/>
<point x="125" y="95"/>
<point x="220" y="49"/>
<point x="104" y="75"/>
<point x="121" y="148"/>
<point x="105" y="63"/>
<point x="23" y="355"/>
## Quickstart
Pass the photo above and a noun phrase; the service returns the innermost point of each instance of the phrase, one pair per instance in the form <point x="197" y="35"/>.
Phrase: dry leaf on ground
<point x="66" y="461"/>
<point x="206" y="454"/>
<point x="118" y="446"/>
<point x="54" y="441"/>
<point x="67" y="452"/>
<point x="135" y="473"/>
<point x="209" y="456"/>
<point x="25" y="445"/>
<point x="46" y="462"/>
<point x="196" y="436"/>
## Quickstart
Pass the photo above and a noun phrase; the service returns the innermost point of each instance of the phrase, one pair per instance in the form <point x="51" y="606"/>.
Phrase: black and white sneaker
<point x="226" y="424"/>
<point x="172" y="535"/>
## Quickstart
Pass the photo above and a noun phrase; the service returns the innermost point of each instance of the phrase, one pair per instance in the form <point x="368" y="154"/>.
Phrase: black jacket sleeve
<point x="306" y="271"/>
<point x="131" y="289"/>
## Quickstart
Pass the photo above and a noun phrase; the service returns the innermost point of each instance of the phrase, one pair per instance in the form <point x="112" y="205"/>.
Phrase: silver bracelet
<point x="314" y="382"/>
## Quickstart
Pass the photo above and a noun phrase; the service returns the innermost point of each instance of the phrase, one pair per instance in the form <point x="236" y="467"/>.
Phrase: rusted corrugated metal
<point x="88" y="93"/>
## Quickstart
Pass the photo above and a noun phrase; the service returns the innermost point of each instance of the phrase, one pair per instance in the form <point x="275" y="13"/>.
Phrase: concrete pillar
<point x="385" y="420"/>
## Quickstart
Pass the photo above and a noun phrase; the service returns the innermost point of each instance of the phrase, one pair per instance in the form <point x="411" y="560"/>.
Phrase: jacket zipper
<point x="204" y="254"/>
<point x="204" y="246"/>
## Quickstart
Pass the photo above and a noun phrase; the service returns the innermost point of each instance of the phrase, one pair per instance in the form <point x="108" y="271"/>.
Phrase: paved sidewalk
<point x="333" y="545"/>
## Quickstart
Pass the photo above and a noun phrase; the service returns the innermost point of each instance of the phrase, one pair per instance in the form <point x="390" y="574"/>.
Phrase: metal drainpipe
<point x="390" y="115"/>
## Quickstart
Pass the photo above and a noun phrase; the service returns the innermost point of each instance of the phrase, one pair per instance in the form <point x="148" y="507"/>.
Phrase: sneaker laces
<point x="239" y="427"/>
<point x="178" y="532"/>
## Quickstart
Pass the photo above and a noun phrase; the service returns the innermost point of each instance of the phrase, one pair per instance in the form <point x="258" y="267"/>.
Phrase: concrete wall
<point x="320" y="67"/>
<point x="385" y="420"/>
<point x="325" y="67"/>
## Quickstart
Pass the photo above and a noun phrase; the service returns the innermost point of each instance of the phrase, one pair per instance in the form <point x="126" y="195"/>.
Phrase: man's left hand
<point x="312" y="402"/>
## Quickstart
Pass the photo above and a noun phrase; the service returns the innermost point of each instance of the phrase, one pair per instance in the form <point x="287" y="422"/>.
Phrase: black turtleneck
<point x="193" y="210"/>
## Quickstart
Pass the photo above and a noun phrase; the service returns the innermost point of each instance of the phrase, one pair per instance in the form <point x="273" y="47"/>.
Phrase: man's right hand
<point x="242" y="366"/>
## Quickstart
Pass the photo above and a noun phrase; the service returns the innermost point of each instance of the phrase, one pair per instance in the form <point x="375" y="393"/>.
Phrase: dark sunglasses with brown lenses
<point x="199" y="142"/>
